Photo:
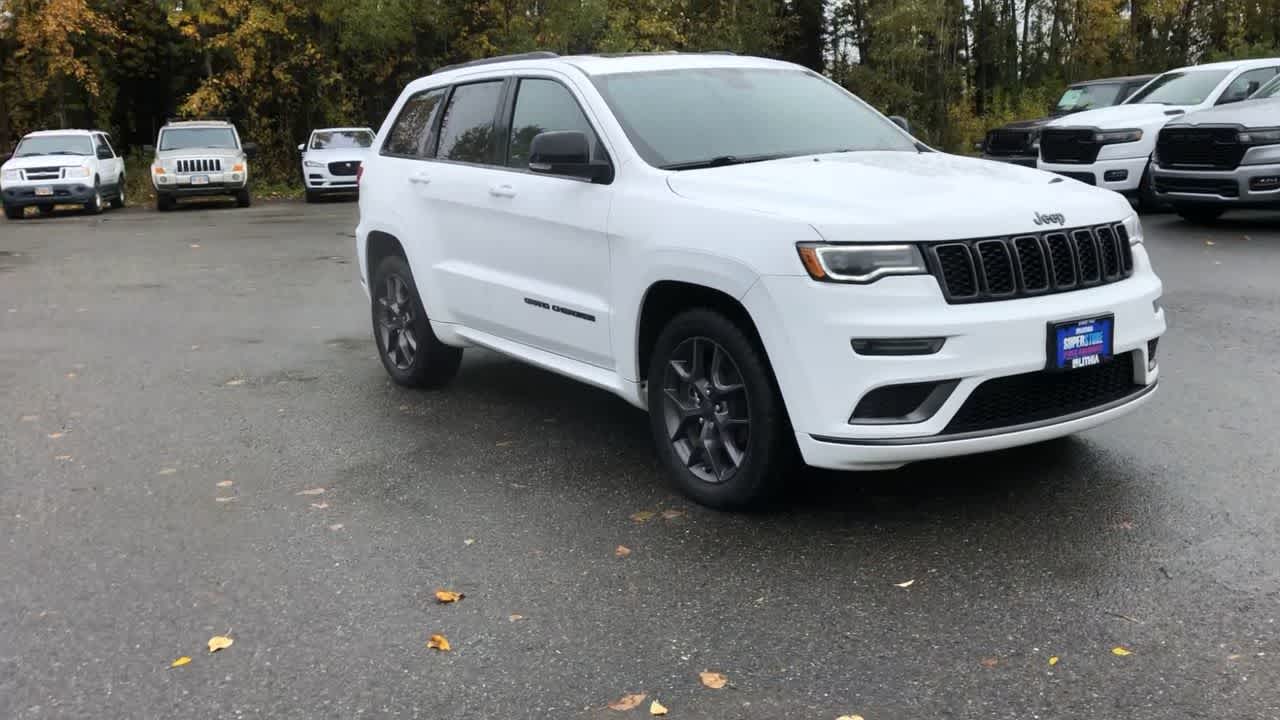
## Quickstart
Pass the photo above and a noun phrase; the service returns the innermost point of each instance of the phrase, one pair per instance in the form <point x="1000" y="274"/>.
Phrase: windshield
<point x="1183" y="87"/>
<point x="1085" y="97"/>
<point x="717" y="116"/>
<point x="1269" y="90"/>
<point x="54" y="145"/>
<point x="179" y="138"/>
<point x="341" y="139"/>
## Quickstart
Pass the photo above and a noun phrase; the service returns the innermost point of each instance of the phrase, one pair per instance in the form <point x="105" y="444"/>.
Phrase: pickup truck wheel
<point x="1148" y="201"/>
<point x="716" y="415"/>
<point x="410" y="351"/>
<point x="13" y="213"/>
<point x="1199" y="214"/>
<point x="243" y="198"/>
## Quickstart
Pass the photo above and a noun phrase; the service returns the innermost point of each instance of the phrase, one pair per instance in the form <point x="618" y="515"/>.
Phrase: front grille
<point x="1199" y="148"/>
<point x="1068" y="145"/>
<point x="1042" y="395"/>
<point x="990" y="269"/>
<point x="344" y="168"/>
<point x="1087" y="178"/>
<point x="42" y="173"/>
<point x="200" y="165"/>
<point x="1197" y="186"/>
<point x="1008" y="142"/>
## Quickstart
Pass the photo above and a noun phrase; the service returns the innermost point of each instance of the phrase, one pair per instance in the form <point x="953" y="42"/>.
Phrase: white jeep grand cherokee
<point x="756" y="256"/>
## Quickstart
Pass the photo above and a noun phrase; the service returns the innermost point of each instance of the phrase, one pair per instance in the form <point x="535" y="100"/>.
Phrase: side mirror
<point x="567" y="152"/>
<point x="148" y="149"/>
<point x="302" y="147"/>
<point x="901" y="122"/>
<point x="250" y="149"/>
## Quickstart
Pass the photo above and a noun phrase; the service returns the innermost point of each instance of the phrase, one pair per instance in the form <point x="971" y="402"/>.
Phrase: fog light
<point x="905" y="403"/>
<point x="235" y="177"/>
<point x="1151" y="353"/>
<point x="897" y="346"/>
<point x="1265" y="182"/>
<point x="1115" y="175"/>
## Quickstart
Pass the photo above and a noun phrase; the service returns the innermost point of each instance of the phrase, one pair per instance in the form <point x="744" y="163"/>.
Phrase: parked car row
<point x="191" y="158"/>
<point x="1171" y="141"/>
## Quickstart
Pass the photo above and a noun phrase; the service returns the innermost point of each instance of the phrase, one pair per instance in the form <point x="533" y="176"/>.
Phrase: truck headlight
<point x="11" y="175"/>
<point x="1270" y="136"/>
<point x="1133" y="225"/>
<point x="77" y="172"/>
<point x="1111" y="137"/>
<point x="859" y="263"/>
<point x="312" y="164"/>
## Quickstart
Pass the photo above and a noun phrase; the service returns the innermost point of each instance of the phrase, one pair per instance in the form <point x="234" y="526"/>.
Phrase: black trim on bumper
<point x="935" y="439"/>
<point x="25" y="196"/>
<point x="201" y="190"/>
<point x="1023" y="160"/>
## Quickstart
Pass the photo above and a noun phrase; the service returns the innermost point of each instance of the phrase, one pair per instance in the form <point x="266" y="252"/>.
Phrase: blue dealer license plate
<point x="1081" y="343"/>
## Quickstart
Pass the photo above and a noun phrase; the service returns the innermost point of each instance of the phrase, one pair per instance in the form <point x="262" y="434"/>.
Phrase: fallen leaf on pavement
<point x="234" y="382"/>
<point x="713" y="680"/>
<point x="55" y="435"/>
<point x="438" y="642"/>
<point x="514" y="618"/>
<point x="906" y="584"/>
<point x="621" y="551"/>
<point x="335" y="527"/>
<point x="219" y="642"/>
<point x="195" y="245"/>
<point x="671" y="514"/>
<point x="469" y="541"/>
<point x="30" y="418"/>
<point x="989" y="662"/>
<point x="505" y="443"/>
<point x="231" y="498"/>
<point x="1121" y="651"/>
<point x="180" y="662"/>
<point x="627" y="702"/>
<point x="1053" y="661"/>
<point x="71" y="376"/>
<point x="849" y="717"/>
<point x="312" y="491"/>
<point x="657" y="708"/>
<point x="1208" y="242"/>
<point x="226" y="483"/>
<point x="1233" y="657"/>
<point x="448" y="596"/>
<point x="642" y="516"/>
<point x="63" y="458"/>
<point x="319" y="505"/>
<point x="168" y="471"/>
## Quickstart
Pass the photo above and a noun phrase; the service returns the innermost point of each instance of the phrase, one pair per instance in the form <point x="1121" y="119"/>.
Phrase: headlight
<point x="77" y="172"/>
<point x="1260" y="137"/>
<point x="1134" y="226"/>
<point x="859" y="263"/>
<point x="11" y="175"/>
<point x="312" y="163"/>
<point x="1111" y="137"/>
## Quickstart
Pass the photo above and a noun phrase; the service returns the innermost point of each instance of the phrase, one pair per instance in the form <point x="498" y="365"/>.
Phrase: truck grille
<point x="346" y="169"/>
<point x="1038" y="396"/>
<point x="1197" y="186"/>
<point x="1199" y="148"/>
<point x="43" y="173"/>
<point x="1068" y="145"/>
<point x="1002" y="268"/>
<point x="200" y="165"/>
<point x="1003" y="141"/>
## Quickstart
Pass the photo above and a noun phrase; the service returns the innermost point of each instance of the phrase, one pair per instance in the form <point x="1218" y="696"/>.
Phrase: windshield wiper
<point x="721" y="161"/>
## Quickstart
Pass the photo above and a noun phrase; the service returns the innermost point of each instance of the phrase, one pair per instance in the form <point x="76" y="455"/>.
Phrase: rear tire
<point x="14" y="213"/>
<point x="117" y="202"/>
<point x="715" y="412"/>
<point x="1148" y="201"/>
<point x="410" y="351"/>
<point x="243" y="199"/>
<point x="1199" y="214"/>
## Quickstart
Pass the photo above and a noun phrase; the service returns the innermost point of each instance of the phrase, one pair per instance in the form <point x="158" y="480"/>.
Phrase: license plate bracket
<point x="44" y="191"/>
<point x="199" y="179"/>
<point x="1083" y="343"/>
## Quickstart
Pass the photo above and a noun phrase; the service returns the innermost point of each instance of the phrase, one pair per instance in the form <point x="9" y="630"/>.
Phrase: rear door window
<point x="466" y="130"/>
<point x="410" y="134"/>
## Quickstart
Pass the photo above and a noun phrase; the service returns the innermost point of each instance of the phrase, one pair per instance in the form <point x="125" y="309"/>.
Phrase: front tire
<point x="243" y="199"/>
<point x="164" y="203"/>
<point x="715" y="412"/>
<point x="1199" y="214"/>
<point x="95" y="206"/>
<point x="410" y="351"/>
<point x="310" y="197"/>
<point x="1148" y="201"/>
<point x="14" y="213"/>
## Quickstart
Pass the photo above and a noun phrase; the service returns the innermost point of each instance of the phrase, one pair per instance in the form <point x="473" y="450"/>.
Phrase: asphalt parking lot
<point x="177" y="389"/>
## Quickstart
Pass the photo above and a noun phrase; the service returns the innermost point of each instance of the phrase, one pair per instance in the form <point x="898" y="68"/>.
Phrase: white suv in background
<point x="331" y="158"/>
<point x="761" y="260"/>
<point x="62" y="167"/>
<point x="1112" y="147"/>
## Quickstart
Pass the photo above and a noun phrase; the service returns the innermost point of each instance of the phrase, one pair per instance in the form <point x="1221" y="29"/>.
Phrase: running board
<point x="559" y="364"/>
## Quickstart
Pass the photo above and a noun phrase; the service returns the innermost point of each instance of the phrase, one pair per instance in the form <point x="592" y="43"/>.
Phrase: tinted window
<point x="1189" y="87"/>
<point x="1270" y="90"/>
<point x="466" y="131"/>
<point x="1246" y="84"/>
<point x="341" y="139"/>
<point x="408" y="135"/>
<point x="1085" y="97"/>
<point x="685" y="117"/>
<point x="541" y="106"/>
<point x="104" y="148"/>
<point x="178" y="138"/>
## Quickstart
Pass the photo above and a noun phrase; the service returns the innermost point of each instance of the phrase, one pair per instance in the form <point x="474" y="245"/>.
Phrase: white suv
<point x="756" y="256"/>
<point x="331" y="159"/>
<point x="62" y="167"/>
<point x="1112" y="147"/>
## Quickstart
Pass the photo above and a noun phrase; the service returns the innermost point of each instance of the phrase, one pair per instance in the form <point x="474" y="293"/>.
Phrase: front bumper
<point x="807" y="328"/>
<point x="320" y="180"/>
<point x="1023" y="160"/>
<point x="181" y="185"/>
<point x="1217" y="187"/>
<point x="1096" y="173"/>
<point x="64" y="193"/>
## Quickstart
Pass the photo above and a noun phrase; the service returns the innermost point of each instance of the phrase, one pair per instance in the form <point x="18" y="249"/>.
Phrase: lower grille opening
<point x="904" y="403"/>
<point x="1042" y="395"/>
<point x="1084" y="177"/>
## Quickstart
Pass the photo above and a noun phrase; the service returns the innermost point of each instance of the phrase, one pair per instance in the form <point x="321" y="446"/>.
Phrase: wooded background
<point x="280" y="67"/>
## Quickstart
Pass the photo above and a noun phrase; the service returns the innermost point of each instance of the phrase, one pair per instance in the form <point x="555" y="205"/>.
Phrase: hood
<point x="1249" y="113"/>
<point x="199" y="153"/>
<point x="36" y="161"/>
<point x="901" y="196"/>
<point x="1121" y="117"/>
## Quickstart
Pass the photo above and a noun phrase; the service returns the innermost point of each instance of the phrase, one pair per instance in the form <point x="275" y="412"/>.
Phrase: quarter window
<point x="409" y="135"/>
<point x="466" y="130"/>
<point x="544" y="106"/>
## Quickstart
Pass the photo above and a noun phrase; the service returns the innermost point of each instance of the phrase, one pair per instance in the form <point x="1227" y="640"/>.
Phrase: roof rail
<point x="535" y="55"/>
<point x="209" y="118"/>
<point x="719" y="52"/>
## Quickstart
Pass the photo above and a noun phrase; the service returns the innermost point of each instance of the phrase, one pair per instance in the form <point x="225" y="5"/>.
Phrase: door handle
<point x="505" y="191"/>
<point x="420" y="179"/>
